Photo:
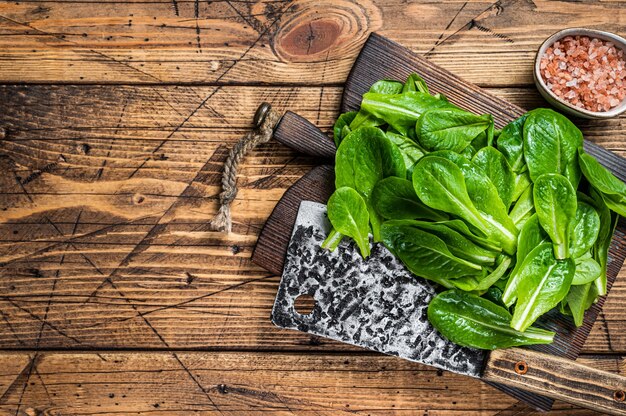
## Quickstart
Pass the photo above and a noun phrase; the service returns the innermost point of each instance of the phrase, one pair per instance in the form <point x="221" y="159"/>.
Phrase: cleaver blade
<point x="375" y="303"/>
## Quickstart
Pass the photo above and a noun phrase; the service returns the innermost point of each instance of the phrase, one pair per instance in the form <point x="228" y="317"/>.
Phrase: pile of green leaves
<point x="514" y="222"/>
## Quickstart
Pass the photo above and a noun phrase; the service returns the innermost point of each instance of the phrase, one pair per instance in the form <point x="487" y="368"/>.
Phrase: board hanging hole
<point x="304" y="304"/>
<point x="521" y="367"/>
<point x="619" y="395"/>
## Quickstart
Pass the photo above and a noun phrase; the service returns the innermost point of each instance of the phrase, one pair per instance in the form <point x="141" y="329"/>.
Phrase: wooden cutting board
<point x="381" y="58"/>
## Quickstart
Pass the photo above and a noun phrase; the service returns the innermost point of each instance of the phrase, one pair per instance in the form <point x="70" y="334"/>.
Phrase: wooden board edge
<point x="269" y="252"/>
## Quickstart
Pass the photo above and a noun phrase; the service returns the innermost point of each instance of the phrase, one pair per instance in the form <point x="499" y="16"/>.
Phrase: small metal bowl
<point x="563" y="105"/>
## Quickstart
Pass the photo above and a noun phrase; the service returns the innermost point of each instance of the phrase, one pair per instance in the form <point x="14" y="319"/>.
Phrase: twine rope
<point x="261" y="134"/>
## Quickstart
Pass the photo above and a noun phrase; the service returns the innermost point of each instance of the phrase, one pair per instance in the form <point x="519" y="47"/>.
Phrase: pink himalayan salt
<point x="588" y="73"/>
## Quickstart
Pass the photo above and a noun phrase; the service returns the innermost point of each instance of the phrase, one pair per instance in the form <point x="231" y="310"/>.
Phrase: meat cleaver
<point x="383" y="59"/>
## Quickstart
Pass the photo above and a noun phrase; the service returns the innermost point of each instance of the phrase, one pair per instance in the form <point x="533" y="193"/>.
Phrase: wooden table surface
<point x="115" y="298"/>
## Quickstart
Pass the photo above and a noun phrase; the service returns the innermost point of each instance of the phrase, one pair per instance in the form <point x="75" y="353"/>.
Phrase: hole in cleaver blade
<point x="375" y="304"/>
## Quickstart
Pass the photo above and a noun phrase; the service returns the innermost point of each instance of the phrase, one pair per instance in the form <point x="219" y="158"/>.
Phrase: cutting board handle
<point x="304" y="137"/>
<point x="558" y="378"/>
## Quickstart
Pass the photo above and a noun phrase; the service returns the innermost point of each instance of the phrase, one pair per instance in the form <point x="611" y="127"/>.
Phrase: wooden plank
<point x="194" y="315"/>
<point x="253" y="383"/>
<point x="302" y="41"/>
<point x="169" y="128"/>
<point x="14" y="366"/>
<point x="172" y="278"/>
<point x="183" y="306"/>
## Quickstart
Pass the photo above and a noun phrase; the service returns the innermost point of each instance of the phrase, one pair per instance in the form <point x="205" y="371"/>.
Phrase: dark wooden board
<point x="317" y="185"/>
<point x="304" y="137"/>
<point x="381" y="58"/>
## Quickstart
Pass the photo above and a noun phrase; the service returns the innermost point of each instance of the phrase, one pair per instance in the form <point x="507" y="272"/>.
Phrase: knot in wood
<point x="310" y="38"/>
<point x="138" y="199"/>
<point x="322" y="30"/>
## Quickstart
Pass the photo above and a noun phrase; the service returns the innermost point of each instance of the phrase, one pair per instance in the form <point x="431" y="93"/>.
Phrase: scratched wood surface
<point x="115" y="119"/>
<point x="275" y="41"/>
<point x="249" y="383"/>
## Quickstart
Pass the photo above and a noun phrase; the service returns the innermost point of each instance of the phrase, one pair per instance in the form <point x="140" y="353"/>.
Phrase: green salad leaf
<point x="587" y="270"/>
<point x="530" y="237"/>
<point x="600" y="248"/>
<point x="555" y="203"/>
<point x="551" y="144"/>
<point x="458" y="244"/>
<point x="544" y="281"/>
<point x="415" y="83"/>
<point x="511" y="144"/>
<point x="499" y="172"/>
<point x="523" y="208"/>
<point x="385" y="86"/>
<point x="585" y="230"/>
<point x="342" y="126"/>
<point x="484" y="195"/>
<point x="440" y="184"/>
<point x="395" y="199"/>
<point x="426" y="255"/>
<point x="579" y="299"/>
<point x="613" y="190"/>
<point x="401" y="111"/>
<point x="475" y="322"/>
<point x="411" y="151"/>
<point x="450" y="128"/>
<point x="347" y="213"/>
<point x="365" y="157"/>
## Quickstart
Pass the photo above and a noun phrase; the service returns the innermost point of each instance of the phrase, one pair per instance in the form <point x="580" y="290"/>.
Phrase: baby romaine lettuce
<point x="440" y="184"/>
<point x="426" y="255"/>
<point x="450" y="128"/>
<point x="395" y="199"/>
<point x="499" y="172"/>
<point x="498" y="213"/>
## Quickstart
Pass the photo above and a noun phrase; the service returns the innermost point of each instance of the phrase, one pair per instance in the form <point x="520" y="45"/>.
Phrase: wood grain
<point x="117" y="118"/>
<point x="276" y="41"/>
<point x="13" y="366"/>
<point x="180" y="382"/>
<point x="558" y="378"/>
<point x="75" y="217"/>
<point x="305" y="138"/>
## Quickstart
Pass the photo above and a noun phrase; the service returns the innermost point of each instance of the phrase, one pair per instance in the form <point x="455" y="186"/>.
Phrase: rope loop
<point x="265" y="120"/>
